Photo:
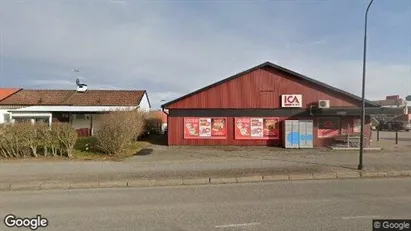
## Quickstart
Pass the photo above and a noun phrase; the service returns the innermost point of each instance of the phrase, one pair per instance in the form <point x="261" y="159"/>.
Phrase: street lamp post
<point x="360" y="165"/>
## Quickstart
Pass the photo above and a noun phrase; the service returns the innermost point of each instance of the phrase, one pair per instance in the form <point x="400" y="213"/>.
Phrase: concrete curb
<point x="132" y="183"/>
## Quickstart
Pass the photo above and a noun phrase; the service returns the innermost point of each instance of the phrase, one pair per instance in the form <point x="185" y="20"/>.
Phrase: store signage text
<point x="291" y="101"/>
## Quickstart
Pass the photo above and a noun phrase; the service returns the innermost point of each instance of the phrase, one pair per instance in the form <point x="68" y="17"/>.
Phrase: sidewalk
<point x="176" y="166"/>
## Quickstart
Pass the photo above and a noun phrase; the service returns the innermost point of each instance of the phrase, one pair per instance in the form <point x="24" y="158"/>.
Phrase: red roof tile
<point x="5" y="92"/>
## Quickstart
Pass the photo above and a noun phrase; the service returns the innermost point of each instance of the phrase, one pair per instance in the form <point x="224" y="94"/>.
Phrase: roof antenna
<point x="80" y="87"/>
<point x="78" y="77"/>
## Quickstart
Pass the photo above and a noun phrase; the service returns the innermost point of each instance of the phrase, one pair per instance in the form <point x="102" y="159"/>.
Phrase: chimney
<point x="82" y="87"/>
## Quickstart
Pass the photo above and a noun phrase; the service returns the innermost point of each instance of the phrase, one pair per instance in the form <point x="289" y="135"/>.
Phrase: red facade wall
<point x="176" y="134"/>
<point x="261" y="88"/>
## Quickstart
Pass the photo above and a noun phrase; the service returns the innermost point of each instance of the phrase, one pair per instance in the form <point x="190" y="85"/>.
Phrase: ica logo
<point x="292" y="100"/>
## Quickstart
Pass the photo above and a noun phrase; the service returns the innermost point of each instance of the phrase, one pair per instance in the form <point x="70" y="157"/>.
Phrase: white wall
<point x="78" y="122"/>
<point x="144" y="104"/>
<point x="2" y="112"/>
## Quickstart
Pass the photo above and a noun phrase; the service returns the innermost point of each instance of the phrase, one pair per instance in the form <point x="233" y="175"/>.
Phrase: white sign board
<point x="291" y="101"/>
<point x="357" y="125"/>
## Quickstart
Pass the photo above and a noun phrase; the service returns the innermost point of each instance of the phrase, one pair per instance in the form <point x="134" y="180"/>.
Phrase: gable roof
<point x="74" y="98"/>
<point x="5" y="92"/>
<point x="288" y="71"/>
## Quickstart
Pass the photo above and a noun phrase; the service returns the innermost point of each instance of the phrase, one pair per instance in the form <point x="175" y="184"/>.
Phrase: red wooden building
<point x="250" y="108"/>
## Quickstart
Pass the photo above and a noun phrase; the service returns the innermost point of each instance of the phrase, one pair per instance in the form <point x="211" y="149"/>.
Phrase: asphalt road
<point x="298" y="205"/>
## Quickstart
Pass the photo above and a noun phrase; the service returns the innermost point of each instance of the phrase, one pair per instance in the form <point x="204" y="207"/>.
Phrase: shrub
<point x="66" y="136"/>
<point x="87" y="144"/>
<point x="15" y="140"/>
<point x="25" y="139"/>
<point x="119" y="128"/>
<point x="153" y="125"/>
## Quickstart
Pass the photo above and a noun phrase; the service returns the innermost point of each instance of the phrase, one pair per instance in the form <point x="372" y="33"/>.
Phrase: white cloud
<point x="47" y="82"/>
<point x="172" y="50"/>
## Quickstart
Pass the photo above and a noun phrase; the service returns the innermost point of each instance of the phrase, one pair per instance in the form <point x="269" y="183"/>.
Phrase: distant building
<point x="402" y="120"/>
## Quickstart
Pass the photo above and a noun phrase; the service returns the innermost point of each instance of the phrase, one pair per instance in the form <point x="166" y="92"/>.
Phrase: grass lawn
<point x="86" y="149"/>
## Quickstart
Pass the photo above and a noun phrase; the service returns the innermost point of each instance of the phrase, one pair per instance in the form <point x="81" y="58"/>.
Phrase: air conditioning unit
<point x="323" y="103"/>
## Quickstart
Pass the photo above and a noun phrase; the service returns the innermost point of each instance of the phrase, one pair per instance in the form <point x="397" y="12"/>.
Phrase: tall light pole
<point x="360" y="165"/>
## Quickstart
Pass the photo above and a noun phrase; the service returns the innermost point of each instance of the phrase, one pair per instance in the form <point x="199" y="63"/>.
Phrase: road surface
<point x="298" y="205"/>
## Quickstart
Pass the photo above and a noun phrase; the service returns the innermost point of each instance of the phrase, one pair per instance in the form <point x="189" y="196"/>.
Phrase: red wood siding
<point x="176" y="134"/>
<point x="261" y="88"/>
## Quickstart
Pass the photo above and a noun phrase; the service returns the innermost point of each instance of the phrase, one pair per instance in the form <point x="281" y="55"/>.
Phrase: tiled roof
<point x="5" y="92"/>
<point x="106" y="98"/>
<point x="72" y="97"/>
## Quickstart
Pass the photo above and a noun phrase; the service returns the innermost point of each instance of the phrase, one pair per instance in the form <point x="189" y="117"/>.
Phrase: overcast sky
<point x="171" y="48"/>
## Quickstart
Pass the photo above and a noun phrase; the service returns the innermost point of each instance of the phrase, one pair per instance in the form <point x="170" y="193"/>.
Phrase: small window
<point x="7" y="118"/>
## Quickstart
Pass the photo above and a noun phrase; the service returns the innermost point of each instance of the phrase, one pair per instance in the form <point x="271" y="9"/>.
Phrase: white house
<point x="81" y="107"/>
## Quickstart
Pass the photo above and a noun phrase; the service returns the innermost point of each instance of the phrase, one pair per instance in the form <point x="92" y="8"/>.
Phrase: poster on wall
<point x="205" y="128"/>
<point x="328" y="127"/>
<point x="256" y="128"/>
<point x="357" y="125"/>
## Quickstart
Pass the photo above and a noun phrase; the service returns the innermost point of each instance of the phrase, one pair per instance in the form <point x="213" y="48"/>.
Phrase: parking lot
<point x="387" y="140"/>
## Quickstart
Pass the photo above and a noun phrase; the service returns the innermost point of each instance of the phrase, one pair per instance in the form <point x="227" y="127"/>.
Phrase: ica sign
<point x="291" y="101"/>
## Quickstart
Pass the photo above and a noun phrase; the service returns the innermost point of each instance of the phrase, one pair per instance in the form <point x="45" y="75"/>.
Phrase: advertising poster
<point x="242" y="128"/>
<point x="205" y="128"/>
<point x="357" y="125"/>
<point x="191" y="128"/>
<point x="328" y="127"/>
<point x="256" y="128"/>
<point x="219" y="127"/>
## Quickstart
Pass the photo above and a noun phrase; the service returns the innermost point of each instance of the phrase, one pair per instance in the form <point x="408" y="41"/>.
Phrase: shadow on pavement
<point x="157" y="139"/>
<point x="144" y="152"/>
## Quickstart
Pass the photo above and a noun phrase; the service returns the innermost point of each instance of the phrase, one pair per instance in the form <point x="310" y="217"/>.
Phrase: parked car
<point x="394" y="126"/>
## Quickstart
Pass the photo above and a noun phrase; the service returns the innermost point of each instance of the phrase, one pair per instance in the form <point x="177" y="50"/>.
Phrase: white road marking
<point x="361" y="217"/>
<point x="237" y="225"/>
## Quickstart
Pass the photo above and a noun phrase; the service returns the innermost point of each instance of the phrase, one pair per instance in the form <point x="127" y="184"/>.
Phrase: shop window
<point x="328" y="127"/>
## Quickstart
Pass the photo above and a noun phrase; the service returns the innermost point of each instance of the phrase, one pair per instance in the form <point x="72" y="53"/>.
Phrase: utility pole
<point x="360" y="165"/>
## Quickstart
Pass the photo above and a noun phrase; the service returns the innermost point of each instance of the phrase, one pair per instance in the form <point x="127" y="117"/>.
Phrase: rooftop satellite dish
<point x="77" y="81"/>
